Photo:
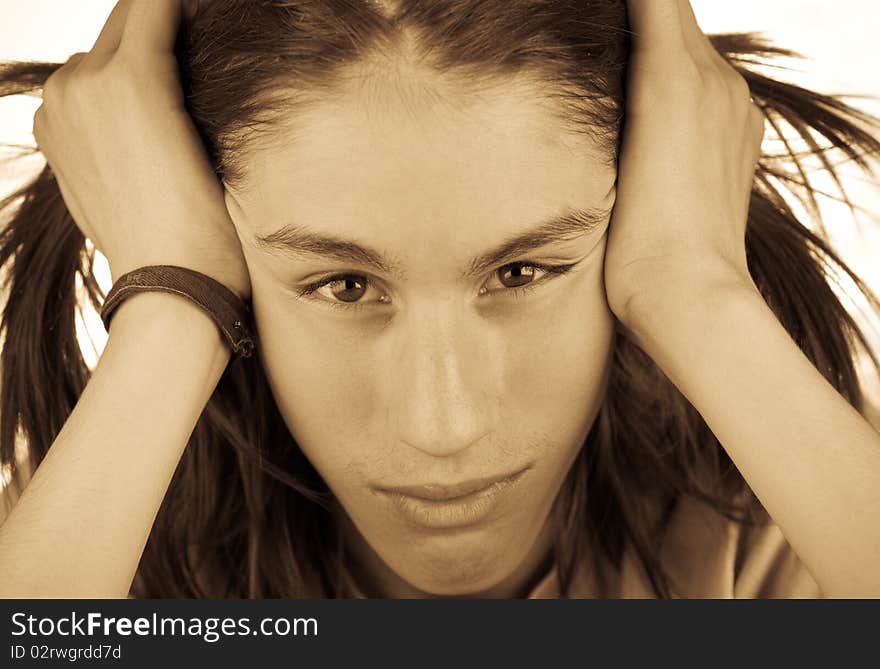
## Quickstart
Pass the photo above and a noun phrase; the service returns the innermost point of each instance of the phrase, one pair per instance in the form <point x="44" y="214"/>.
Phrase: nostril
<point x="445" y="444"/>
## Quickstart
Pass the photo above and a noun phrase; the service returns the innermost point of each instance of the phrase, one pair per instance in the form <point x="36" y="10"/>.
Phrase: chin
<point x="457" y="584"/>
<point x="489" y="559"/>
<point x="462" y="569"/>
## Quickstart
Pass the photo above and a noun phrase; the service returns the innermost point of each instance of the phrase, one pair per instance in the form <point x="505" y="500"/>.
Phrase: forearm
<point x="811" y="459"/>
<point x="80" y="526"/>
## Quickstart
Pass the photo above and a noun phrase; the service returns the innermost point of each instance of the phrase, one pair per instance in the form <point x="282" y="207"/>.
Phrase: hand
<point x="128" y="160"/>
<point x="692" y="137"/>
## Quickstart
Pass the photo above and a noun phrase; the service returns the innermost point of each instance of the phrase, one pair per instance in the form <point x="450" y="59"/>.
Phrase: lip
<point x="442" y="506"/>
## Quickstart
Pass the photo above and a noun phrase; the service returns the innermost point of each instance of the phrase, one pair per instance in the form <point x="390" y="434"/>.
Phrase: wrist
<point x="230" y="273"/>
<point x="228" y="311"/>
<point x="169" y="324"/>
<point x="676" y="301"/>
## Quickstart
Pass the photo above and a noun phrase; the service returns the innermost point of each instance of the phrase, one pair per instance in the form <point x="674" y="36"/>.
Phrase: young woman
<point x="511" y="341"/>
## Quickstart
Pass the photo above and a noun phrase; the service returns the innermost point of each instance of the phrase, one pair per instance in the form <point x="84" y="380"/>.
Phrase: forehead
<point x="401" y="155"/>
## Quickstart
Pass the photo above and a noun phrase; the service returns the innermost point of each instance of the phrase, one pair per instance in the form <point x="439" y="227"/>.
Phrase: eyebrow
<point x="297" y="240"/>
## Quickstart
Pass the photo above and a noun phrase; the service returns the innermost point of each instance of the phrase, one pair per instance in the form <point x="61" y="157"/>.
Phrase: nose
<point x="445" y="372"/>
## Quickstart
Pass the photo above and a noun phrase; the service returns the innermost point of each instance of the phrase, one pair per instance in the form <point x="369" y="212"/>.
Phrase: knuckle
<point x="39" y="125"/>
<point x="65" y="84"/>
<point x="76" y="59"/>
<point x="59" y="81"/>
<point x="52" y="87"/>
<point x="85" y="68"/>
<point x="739" y="87"/>
<point x="757" y="123"/>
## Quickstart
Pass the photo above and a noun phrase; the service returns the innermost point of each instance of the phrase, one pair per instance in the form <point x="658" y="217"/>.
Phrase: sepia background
<point x="838" y="38"/>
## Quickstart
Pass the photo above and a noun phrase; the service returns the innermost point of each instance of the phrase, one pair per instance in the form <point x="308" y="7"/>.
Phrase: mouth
<point x="442" y="506"/>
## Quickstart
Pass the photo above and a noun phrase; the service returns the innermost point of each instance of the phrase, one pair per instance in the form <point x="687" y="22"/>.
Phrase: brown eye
<point x="516" y="274"/>
<point x="348" y="288"/>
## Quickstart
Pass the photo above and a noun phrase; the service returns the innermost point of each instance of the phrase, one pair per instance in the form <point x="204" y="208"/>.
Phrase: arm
<point x="811" y="459"/>
<point x="81" y="524"/>
<point x="677" y="278"/>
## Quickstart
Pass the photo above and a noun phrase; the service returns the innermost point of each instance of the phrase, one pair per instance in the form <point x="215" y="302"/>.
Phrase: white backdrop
<point x="840" y="38"/>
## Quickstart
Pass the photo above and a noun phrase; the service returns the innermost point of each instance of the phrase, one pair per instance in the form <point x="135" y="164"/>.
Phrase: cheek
<point x="321" y="377"/>
<point x="558" y="360"/>
<point x="317" y="373"/>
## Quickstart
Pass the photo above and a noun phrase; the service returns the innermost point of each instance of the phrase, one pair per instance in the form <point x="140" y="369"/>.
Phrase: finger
<point x="657" y="25"/>
<point x="75" y="59"/>
<point x="56" y="82"/>
<point x="756" y="128"/>
<point x="701" y="46"/>
<point x="152" y="25"/>
<point x="111" y="33"/>
<point x="697" y="41"/>
<point x="38" y="127"/>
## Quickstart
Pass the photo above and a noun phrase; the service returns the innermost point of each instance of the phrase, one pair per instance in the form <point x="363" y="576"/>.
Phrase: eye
<point x="518" y="276"/>
<point x="344" y="290"/>
<point x="358" y="291"/>
<point x="513" y="276"/>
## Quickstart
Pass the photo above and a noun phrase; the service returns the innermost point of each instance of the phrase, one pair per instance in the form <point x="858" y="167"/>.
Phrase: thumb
<point x="657" y="26"/>
<point x="152" y="25"/>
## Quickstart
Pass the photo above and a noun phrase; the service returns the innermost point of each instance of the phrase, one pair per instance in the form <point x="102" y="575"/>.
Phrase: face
<point x="427" y="288"/>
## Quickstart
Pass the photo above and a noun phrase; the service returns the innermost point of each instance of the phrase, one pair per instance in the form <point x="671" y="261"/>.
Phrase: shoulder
<point x="710" y="555"/>
<point x="768" y="567"/>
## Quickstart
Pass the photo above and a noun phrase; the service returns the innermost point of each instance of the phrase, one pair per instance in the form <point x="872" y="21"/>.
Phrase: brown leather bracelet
<point x="231" y="313"/>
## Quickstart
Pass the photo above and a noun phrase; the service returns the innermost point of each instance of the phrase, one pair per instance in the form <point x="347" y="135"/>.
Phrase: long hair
<point x="246" y="515"/>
